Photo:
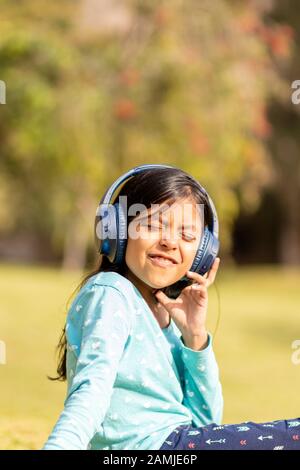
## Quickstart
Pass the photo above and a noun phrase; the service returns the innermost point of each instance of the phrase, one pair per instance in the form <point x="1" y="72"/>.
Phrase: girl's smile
<point x="161" y="261"/>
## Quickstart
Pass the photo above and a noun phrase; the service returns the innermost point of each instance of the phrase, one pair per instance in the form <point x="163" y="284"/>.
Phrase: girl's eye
<point x="190" y="238"/>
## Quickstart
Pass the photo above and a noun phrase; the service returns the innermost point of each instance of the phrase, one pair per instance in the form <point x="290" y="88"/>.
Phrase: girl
<point x="140" y="366"/>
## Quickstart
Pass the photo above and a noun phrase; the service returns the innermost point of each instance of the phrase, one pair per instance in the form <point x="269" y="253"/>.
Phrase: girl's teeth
<point x="163" y="260"/>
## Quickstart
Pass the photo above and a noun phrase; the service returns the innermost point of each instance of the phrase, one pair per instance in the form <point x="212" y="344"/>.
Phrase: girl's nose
<point x="169" y="240"/>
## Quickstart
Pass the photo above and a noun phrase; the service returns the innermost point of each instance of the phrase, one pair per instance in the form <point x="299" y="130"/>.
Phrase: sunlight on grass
<point x="259" y="321"/>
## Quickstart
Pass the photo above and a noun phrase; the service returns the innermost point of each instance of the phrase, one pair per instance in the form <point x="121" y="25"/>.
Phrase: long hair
<point x="152" y="186"/>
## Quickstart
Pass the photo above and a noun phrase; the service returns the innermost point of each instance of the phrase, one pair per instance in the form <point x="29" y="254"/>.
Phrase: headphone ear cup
<point x="206" y="253"/>
<point x="103" y="230"/>
<point x="120" y="241"/>
<point x="196" y="266"/>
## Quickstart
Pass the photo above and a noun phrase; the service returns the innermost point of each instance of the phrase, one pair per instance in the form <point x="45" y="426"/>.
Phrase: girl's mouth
<point x="161" y="262"/>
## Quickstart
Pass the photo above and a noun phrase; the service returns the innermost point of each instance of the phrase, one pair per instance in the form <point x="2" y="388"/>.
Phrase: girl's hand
<point x="189" y="310"/>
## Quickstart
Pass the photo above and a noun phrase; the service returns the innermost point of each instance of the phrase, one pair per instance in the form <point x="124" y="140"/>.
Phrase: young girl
<point x="139" y="364"/>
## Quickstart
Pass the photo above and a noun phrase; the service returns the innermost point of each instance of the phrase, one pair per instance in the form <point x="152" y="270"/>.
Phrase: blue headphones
<point x="111" y="228"/>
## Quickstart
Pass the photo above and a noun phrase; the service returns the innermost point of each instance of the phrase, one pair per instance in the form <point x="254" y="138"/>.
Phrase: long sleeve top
<point x="130" y="383"/>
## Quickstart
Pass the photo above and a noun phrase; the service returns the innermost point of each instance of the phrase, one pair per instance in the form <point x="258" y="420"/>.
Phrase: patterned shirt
<point x="129" y="381"/>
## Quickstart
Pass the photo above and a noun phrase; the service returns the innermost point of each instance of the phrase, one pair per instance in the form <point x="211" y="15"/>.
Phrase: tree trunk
<point x="78" y="233"/>
<point x="75" y="246"/>
<point x="289" y="244"/>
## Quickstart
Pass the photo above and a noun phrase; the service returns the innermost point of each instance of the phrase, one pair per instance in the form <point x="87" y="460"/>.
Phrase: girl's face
<point x="163" y="230"/>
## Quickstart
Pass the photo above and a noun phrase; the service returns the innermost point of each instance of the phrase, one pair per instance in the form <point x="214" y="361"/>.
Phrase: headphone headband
<point x="107" y="197"/>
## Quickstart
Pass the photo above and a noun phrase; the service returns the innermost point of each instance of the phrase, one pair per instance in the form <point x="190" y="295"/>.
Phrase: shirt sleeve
<point x="202" y="390"/>
<point x="105" y="326"/>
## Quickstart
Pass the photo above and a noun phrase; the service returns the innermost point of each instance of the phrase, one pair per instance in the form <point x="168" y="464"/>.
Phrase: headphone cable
<point x="219" y="310"/>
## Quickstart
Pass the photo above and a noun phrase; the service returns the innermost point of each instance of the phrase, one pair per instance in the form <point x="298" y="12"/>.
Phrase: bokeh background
<point x="95" y="87"/>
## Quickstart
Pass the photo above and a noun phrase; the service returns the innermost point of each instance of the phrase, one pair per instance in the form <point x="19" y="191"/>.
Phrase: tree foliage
<point x="95" y="88"/>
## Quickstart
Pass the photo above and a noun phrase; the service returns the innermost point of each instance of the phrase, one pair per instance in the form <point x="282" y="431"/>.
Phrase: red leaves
<point x="278" y="38"/>
<point x="125" y="109"/>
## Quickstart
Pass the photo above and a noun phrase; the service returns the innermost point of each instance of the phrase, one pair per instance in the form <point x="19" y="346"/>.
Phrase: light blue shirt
<point x="130" y="382"/>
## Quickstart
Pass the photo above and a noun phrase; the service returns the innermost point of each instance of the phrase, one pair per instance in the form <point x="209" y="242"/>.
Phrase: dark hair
<point x="152" y="186"/>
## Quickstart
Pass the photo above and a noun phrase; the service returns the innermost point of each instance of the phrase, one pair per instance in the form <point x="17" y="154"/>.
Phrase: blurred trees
<point x="95" y="88"/>
<point x="284" y="144"/>
<point x="273" y="232"/>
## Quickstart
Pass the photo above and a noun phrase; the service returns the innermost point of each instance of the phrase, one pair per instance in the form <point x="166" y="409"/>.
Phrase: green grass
<point x="259" y="321"/>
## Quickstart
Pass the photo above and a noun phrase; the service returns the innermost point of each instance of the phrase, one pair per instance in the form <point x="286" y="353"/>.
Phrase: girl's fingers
<point x="162" y="297"/>
<point x="198" y="277"/>
<point x="214" y="269"/>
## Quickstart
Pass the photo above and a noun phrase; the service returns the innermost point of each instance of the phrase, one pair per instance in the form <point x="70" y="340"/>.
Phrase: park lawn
<point x="259" y="320"/>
